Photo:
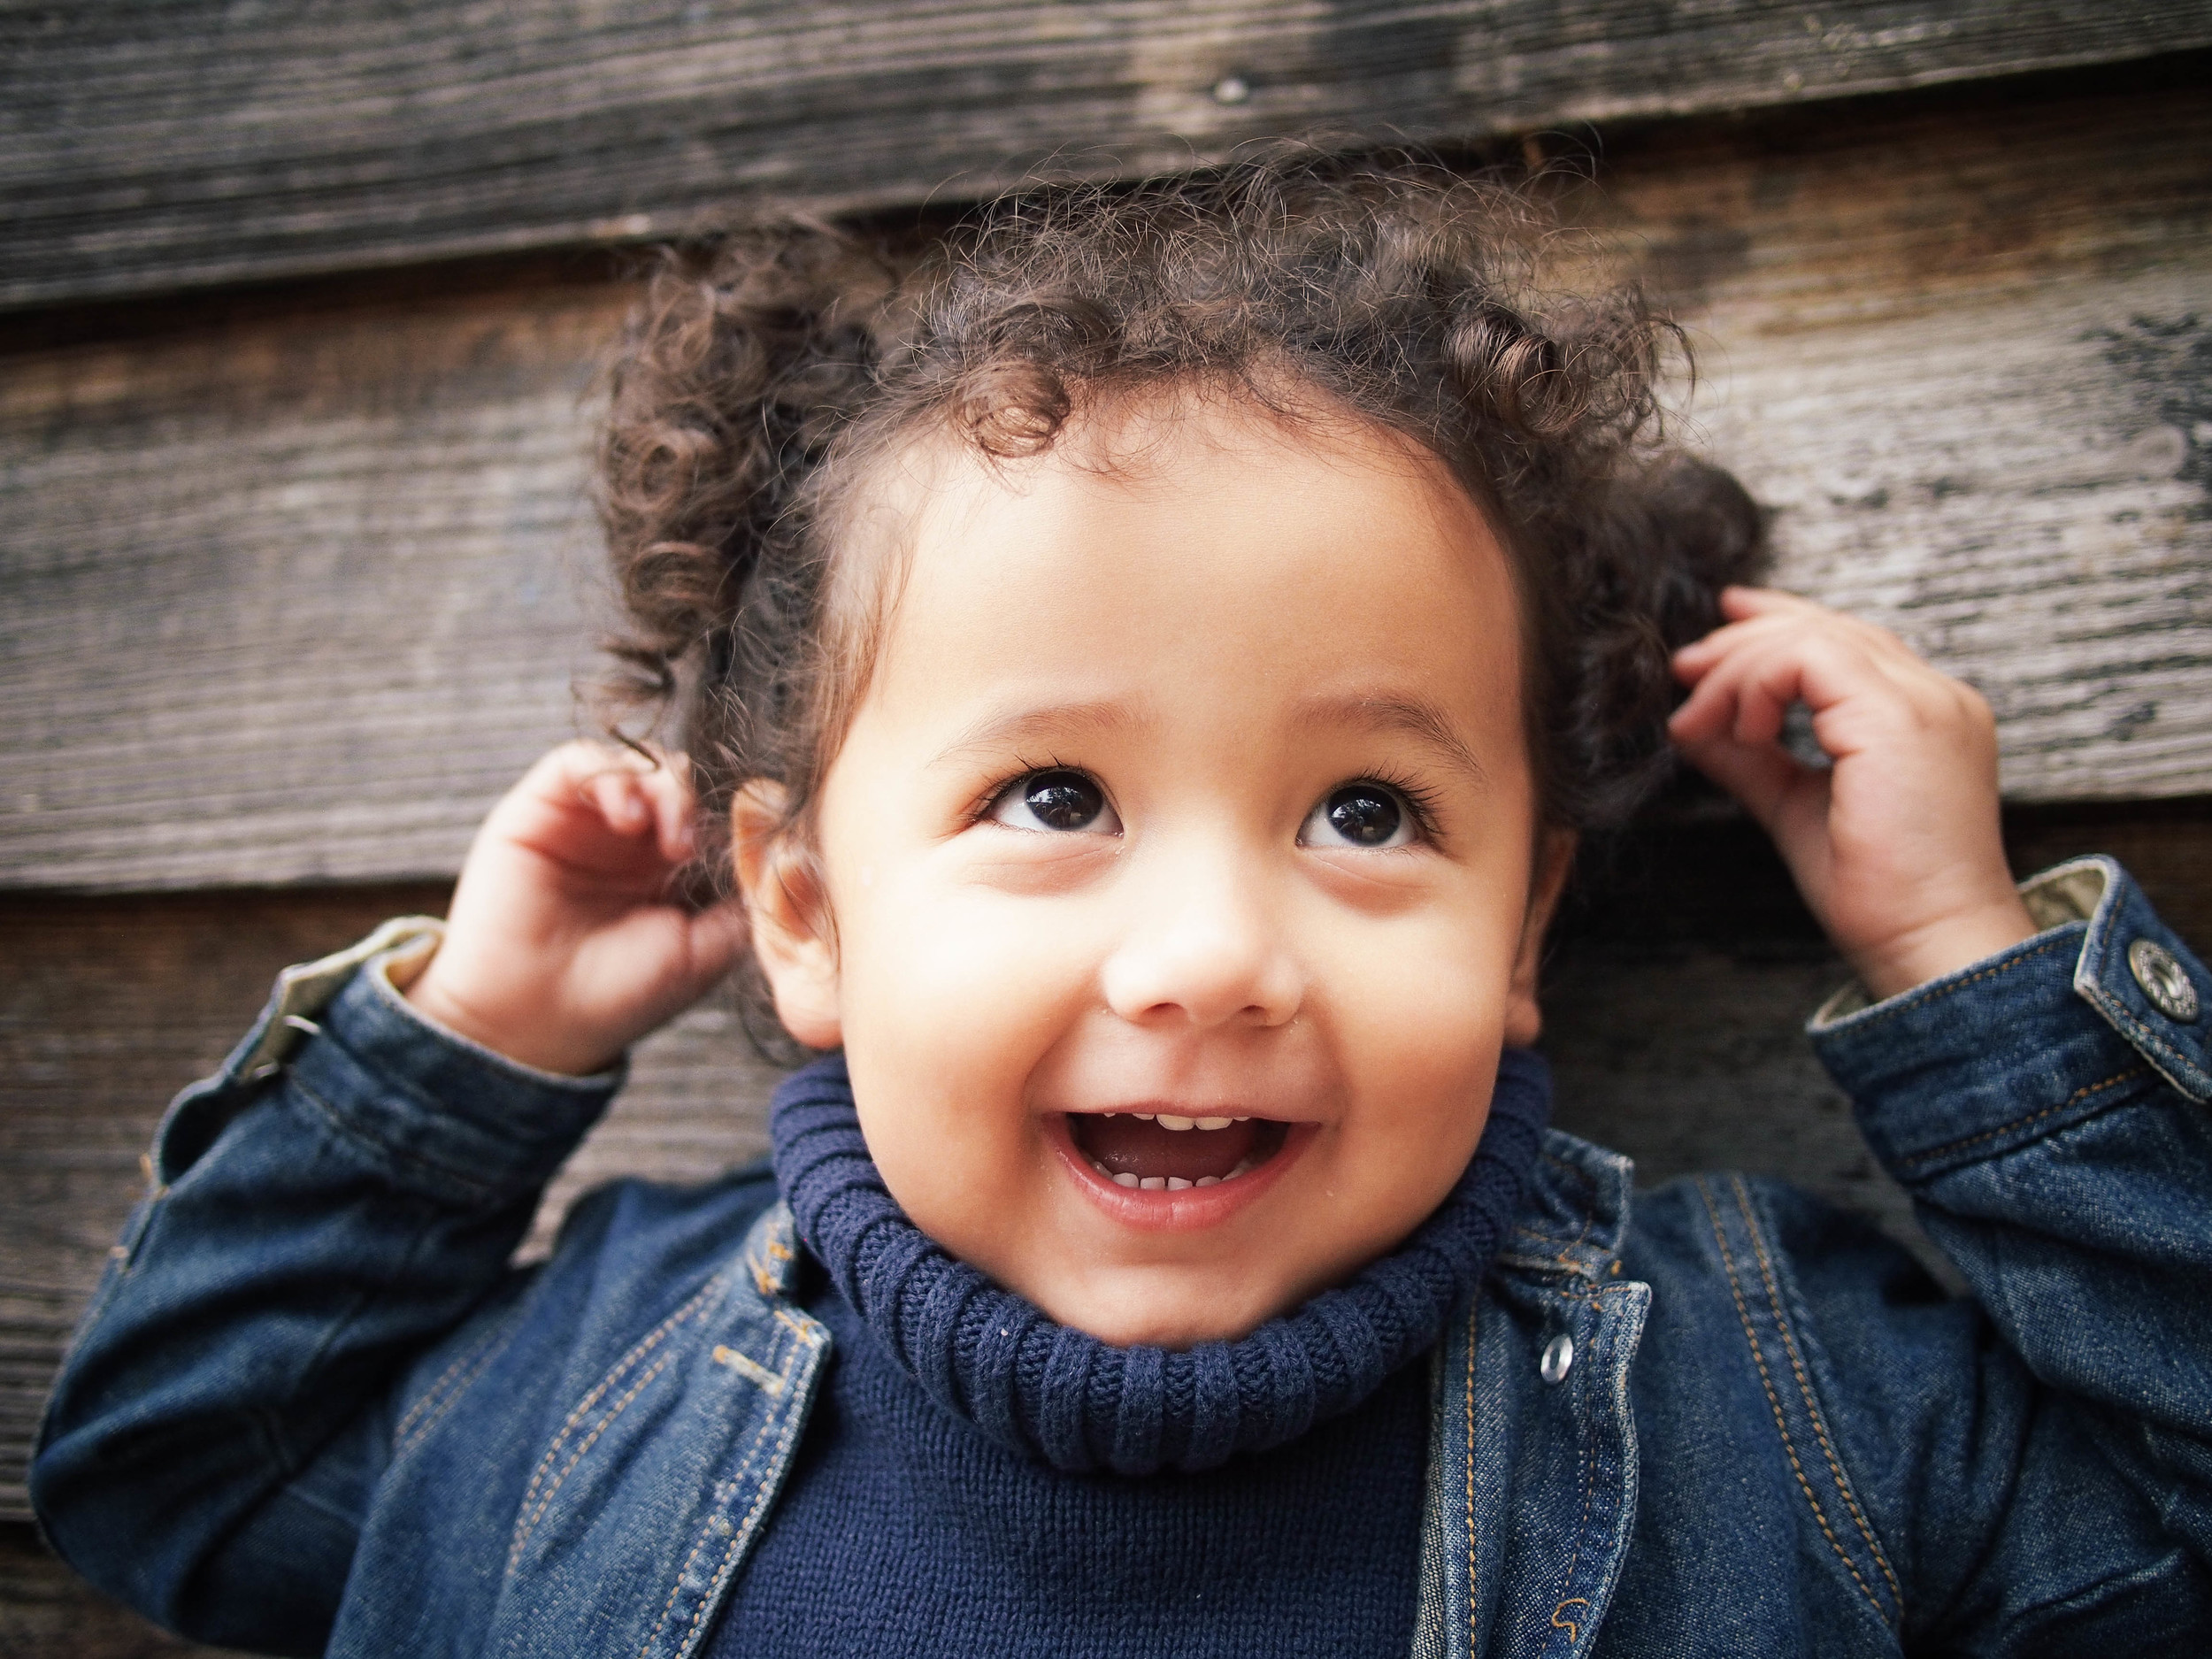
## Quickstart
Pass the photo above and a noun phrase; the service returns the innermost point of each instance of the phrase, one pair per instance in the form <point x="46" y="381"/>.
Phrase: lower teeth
<point x="1172" y="1183"/>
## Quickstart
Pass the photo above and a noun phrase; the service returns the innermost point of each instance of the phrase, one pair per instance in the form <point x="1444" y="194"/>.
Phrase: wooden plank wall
<point x="297" y="568"/>
<point x="196" y="140"/>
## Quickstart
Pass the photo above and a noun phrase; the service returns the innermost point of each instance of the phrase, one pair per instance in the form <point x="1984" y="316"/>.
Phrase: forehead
<point x="1157" y="535"/>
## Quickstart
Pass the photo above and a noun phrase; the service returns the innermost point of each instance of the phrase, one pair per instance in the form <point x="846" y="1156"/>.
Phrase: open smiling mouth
<point x="1161" y="1152"/>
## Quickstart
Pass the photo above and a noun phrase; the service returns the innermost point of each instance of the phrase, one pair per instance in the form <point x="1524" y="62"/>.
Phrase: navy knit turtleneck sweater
<point x="975" y="1478"/>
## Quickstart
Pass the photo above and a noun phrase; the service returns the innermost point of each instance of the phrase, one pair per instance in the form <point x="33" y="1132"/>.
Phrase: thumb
<point x="716" y="937"/>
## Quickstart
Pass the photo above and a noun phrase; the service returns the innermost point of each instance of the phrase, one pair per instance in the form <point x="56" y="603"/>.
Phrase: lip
<point x="1194" y="1209"/>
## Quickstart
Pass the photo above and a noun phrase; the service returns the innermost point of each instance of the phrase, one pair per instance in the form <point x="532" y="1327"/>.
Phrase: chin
<point x="1186" y="1317"/>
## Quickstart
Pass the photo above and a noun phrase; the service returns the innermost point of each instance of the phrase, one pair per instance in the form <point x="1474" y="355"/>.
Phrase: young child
<point x="1146" y="670"/>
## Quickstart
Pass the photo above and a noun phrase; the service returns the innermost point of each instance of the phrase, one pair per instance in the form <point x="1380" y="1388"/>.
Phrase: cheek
<point x="951" y="999"/>
<point x="1419" y="1014"/>
<point x="978" y="980"/>
<point x="1427" y="1025"/>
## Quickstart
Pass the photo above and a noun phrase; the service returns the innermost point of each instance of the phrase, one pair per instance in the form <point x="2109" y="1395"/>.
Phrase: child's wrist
<point x="1933" y="950"/>
<point x="540" y="1044"/>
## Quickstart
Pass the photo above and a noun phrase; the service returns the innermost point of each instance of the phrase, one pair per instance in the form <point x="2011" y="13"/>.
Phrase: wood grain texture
<point x="293" y="589"/>
<point x="292" y="601"/>
<point x="181" y="141"/>
<point x="1967" y="362"/>
<point x="1674" y="991"/>
<point x="47" y="1612"/>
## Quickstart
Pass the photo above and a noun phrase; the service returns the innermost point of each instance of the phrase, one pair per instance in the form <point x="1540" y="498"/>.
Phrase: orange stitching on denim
<point x="1805" y="1389"/>
<point x="746" y="1366"/>
<point x="1582" y="1525"/>
<point x="1474" y="1573"/>
<point x="766" y="1277"/>
<point x="676" y="1588"/>
<point x="1573" y="1630"/>
<point x="2115" y="1009"/>
<point x="483" y="1355"/>
<point x="1774" y="1402"/>
<point x="399" y="1434"/>
<point x="1937" y="993"/>
<point x="2080" y="1095"/>
<point x="738" y="1534"/>
<point x="522" y="1538"/>
<point x="651" y="1339"/>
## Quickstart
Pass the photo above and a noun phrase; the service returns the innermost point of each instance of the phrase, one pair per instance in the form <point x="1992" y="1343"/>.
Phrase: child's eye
<point x="1358" y="815"/>
<point x="1058" y="799"/>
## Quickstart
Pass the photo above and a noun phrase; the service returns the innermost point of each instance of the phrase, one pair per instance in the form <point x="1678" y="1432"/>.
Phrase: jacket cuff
<point x="438" y="1111"/>
<point x="2023" y="1044"/>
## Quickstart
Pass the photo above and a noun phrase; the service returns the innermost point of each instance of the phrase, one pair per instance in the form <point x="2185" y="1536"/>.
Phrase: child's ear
<point x="1554" y="856"/>
<point x="786" y="907"/>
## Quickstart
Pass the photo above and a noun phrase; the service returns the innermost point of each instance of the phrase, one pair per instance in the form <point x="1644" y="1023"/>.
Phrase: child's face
<point x="1197" y="790"/>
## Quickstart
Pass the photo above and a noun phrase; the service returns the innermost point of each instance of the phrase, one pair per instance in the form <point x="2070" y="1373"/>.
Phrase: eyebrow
<point x="1410" y="717"/>
<point x="996" y="733"/>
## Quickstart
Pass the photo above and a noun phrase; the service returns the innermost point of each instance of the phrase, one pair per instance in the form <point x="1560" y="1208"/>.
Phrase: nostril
<point x="1210" y="987"/>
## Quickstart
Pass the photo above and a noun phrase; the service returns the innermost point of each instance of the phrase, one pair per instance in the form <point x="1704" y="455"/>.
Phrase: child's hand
<point x="564" y="945"/>
<point x="1896" y="846"/>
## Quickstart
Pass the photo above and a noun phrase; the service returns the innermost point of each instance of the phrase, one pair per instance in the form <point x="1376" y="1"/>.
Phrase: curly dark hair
<point x="769" y="368"/>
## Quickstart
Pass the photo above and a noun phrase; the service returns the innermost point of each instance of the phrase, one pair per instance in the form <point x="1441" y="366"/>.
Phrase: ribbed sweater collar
<point x="1077" y="1403"/>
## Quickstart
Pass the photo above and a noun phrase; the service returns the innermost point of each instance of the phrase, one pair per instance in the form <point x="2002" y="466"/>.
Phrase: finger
<point x="1745" y="697"/>
<point x="668" y="789"/>
<point x="718" y="938"/>
<point x="1772" y="613"/>
<point x="1837" y="673"/>
<point x="621" y="802"/>
<point x="1762" y="613"/>
<point x="1738" y="602"/>
<point x="549" y="799"/>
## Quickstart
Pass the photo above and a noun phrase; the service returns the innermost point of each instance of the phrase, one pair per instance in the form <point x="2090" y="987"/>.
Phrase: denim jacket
<point x="313" y="1404"/>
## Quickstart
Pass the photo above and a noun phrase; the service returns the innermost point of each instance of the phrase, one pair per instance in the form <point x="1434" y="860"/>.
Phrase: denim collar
<point x="1574" y="1218"/>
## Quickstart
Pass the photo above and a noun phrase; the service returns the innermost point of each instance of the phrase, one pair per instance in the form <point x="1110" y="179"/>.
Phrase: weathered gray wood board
<point x="146" y="147"/>
<point x="45" y="1609"/>
<point x="289" y="602"/>
<point x="1969" y="364"/>
<point x="1673" y="1001"/>
<point x="291" y="597"/>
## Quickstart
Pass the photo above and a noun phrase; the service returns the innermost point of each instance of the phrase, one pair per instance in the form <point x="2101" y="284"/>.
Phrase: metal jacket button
<point x="1559" y="1358"/>
<point x="2164" y="981"/>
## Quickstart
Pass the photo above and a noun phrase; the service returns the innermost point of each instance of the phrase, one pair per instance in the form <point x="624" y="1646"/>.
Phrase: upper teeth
<point x="1169" y="1120"/>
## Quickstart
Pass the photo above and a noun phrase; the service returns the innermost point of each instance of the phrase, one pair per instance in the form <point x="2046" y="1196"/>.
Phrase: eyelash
<point x="1420" y="799"/>
<point x="980" y="809"/>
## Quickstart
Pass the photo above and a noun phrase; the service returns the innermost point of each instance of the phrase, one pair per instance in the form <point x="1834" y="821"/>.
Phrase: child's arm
<point x="2039" y="1473"/>
<point x="327" y="1237"/>
<point x="1896" y="846"/>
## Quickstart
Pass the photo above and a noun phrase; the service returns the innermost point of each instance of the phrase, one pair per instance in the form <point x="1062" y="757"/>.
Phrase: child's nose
<point x="1208" y="950"/>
